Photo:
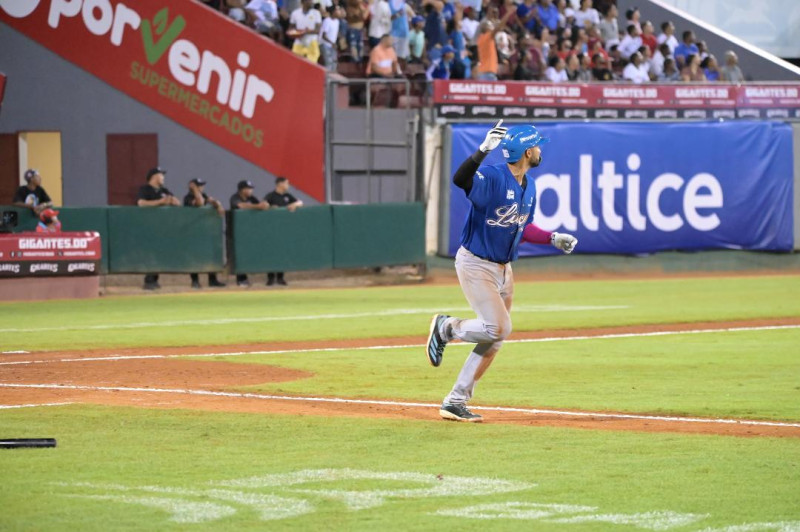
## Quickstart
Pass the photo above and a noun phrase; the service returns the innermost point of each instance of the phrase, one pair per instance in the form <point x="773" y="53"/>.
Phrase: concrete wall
<point x="45" y="92"/>
<point x="755" y="63"/>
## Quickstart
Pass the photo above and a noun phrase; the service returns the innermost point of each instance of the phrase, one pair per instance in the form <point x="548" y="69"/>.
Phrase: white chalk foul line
<point x="32" y="405"/>
<point x="405" y="346"/>
<point x="375" y="402"/>
<point x="304" y="317"/>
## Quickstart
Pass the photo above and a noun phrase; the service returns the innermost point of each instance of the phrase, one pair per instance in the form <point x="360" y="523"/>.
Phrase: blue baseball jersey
<point x="498" y="213"/>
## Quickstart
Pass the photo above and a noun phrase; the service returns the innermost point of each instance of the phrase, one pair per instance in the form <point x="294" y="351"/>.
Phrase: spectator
<point x="198" y="198"/>
<point x="505" y="46"/>
<point x="609" y="28"/>
<point x="383" y="60"/>
<point x="586" y="12"/>
<point x="564" y="49"/>
<point x="355" y="16"/>
<point x="686" y="48"/>
<point x="380" y="21"/>
<point x="648" y="38"/>
<point x="636" y="70"/>
<point x="670" y="72"/>
<point x="32" y="195"/>
<point x="580" y="42"/>
<point x="710" y="68"/>
<point x="657" y="63"/>
<point x="548" y="14"/>
<point x="281" y="198"/>
<point x="48" y="222"/>
<point x="441" y="64"/>
<point x="692" y="70"/>
<point x="416" y="39"/>
<point x="264" y="17"/>
<point x="244" y="200"/>
<point x="529" y="59"/>
<point x="236" y="10"/>
<point x="487" y="49"/>
<point x="524" y="70"/>
<point x="528" y="15"/>
<point x="469" y="25"/>
<point x="400" y="13"/>
<point x="328" y="37"/>
<point x="544" y="39"/>
<point x="597" y="49"/>
<point x="556" y="72"/>
<point x="702" y="50"/>
<point x="630" y="43"/>
<point x="668" y="36"/>
<point x="632" y="17"/>
<point x="600" y="71"/>
<point x="454" y="35"/>
<point x="584" y="69"/>
<point x="304" y="24"/>
<point x="155" y="194"/>
<point x="434" y="24"/>
<point x="731" y="71"/>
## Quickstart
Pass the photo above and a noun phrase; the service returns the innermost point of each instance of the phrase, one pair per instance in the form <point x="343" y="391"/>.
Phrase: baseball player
<point x="503" y="199"/>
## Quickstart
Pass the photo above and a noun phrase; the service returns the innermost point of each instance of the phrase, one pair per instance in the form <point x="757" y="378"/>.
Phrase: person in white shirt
<point x="469" y="25"/>
<point x="304" y="24"/>
<point x="631" y="43"/>
<point x="657" y="63"/>
<point x="556" y="72"/>
<point x="636" y="70"/>
<point x="668" y="36"/>
<point x="586" y="12"/>
<point x="380" y="21"/>
<point x="609" y="28"/>
<point x="328" y="37"/>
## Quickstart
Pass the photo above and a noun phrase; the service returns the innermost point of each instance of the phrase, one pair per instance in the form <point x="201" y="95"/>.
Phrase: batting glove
<point x="493" y="137"/>
<point x="564" y="242"/>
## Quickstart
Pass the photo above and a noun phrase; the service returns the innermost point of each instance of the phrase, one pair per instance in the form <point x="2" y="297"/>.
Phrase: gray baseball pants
<point x="489" y="288"/>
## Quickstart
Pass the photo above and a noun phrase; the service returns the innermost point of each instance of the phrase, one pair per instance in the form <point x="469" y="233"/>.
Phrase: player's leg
<point x="479" y="359"/>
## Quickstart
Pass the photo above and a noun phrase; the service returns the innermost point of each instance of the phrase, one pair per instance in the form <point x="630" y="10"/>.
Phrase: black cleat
<point x="216" y="284"/>
<point x="458" y="413"/>
<point x="196" y="285"/>
<point x="436" y="343"/>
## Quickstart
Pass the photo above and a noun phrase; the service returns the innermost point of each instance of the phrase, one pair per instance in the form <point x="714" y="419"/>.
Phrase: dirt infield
<point x="157" y="381"/>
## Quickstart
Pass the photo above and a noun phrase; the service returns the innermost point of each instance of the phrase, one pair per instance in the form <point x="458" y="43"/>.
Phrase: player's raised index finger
<point x="498" y="124"/>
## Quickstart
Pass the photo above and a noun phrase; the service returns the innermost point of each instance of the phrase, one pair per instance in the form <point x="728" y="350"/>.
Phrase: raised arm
<point x="464" y="175"/>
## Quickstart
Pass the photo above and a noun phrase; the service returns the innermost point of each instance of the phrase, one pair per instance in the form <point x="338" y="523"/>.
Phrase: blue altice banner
<point x="638" y="188"/>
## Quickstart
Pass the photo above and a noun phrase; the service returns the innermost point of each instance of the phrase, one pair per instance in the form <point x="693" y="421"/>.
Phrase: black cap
<point x="30" y="174"/>
<point x="154" y="171"/>
<point x="197" y="181"/>
<point x="245" y="183"/>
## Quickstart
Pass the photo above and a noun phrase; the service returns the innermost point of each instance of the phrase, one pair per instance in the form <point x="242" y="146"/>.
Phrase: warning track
<point x="161" y="378"/>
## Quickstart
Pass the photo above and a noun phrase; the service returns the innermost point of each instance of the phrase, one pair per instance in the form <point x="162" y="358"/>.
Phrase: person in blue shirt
<point x="434" y="24"/>
<point x="548" y="14"/>
<point x="399" y="31"/>
<point x="685" y="49"/>
<point x="441" y="63"/>
<point x="502" y="202"/>
<point x="527" y="14"/>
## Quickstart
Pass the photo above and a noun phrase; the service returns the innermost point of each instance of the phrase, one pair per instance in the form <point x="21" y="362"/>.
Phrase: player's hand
<point x="564" y="242"/>
<point x="493" y="137"/>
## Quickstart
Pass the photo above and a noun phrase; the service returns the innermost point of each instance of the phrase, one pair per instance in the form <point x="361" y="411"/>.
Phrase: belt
<point x="486" y="258"/>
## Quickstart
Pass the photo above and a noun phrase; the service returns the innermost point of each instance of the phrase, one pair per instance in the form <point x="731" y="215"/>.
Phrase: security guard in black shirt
<point x="280" y="197"/>
<point x="155" y="194"/>
<point x="198" y="198"/>
<point x="244" y="199"/>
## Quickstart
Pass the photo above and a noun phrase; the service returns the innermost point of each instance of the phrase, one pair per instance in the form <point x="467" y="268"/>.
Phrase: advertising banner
<point x="54" y="254"/>
<point x="197" y="67"/>
<point x="634" y="188"/>
<point x="476" y="99"/>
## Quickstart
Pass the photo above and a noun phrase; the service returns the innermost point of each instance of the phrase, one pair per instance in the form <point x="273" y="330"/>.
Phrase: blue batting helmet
<point x="518" y="139"/>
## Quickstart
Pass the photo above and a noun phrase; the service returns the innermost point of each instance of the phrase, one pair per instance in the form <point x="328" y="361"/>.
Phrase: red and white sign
<point x="197" y="67"/>
<point x="653" y="98"/>
<point x="72" y="253"/>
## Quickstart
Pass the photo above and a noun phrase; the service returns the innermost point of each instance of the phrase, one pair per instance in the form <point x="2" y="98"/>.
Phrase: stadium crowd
<point x="545" y="40"/>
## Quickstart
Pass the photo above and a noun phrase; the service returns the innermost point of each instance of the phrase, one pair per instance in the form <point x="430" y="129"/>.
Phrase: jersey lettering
<point x="508" y="216"/>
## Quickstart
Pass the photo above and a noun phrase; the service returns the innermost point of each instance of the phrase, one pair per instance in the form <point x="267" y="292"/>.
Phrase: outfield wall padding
<point x="279" y="240"/>
<point x="385" y="234"/>
<point x="143" y="240"/>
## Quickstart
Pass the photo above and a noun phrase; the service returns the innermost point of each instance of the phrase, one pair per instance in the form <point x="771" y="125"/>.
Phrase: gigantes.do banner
<point x="50" y="254"/>
<point x="643" y="187"/>
<point x="197" y="67"/>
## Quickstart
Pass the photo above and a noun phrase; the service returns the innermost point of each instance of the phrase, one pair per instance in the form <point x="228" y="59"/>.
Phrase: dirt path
<point x="207" y="385"/>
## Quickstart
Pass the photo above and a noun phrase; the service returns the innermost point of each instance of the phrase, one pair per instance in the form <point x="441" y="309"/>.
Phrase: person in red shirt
<point x="49" y="222"/>
<point x="648" y="36"/>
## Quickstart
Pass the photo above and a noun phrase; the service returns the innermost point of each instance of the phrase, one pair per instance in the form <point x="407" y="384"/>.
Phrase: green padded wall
<point x="27" y="221"/>
<point x="378" y="235"/>
<point x="279" y="240"/>
<point x="165" y="239"/>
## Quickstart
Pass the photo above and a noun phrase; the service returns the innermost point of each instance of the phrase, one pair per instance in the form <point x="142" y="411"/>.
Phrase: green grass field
<point x="130" y="468"/>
